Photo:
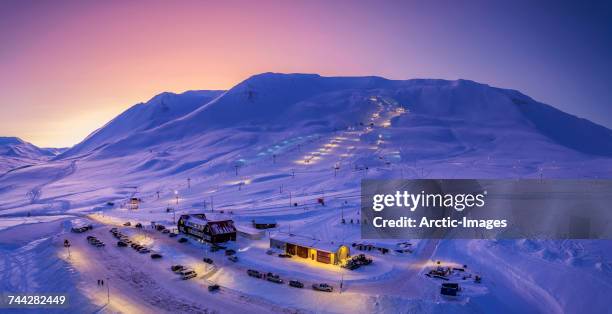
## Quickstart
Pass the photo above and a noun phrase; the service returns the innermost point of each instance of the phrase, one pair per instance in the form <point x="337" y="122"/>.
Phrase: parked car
<point x="138" y="225"/>
<point x="160" y="227"/>
<point x="127" y="224"/>
<point x="177" y="268"/>
<point x="165" y="231"/>
<point x="296" y="284"/>
<point x="182" y="240"/>
<point x="214" y="287"/>
<point x="144" y="250"/>
<point x="188" y="275"/>
<point x="322" y="287"/>
<point x="233" y="258"/>
<point x="230" y="252"/>
<point x="284" y="255"/>
<point x="274" y="279"/>
<point x="121" y="244"/>
<point x="172" y="234"/>
<point x="112" y="230"/>
<point x="156" y="256"/>
<point x="208" y="260"/>
<point x="254" y="273"/>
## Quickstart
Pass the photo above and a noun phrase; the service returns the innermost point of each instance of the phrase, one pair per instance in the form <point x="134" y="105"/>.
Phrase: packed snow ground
<point x="252" y="171"/>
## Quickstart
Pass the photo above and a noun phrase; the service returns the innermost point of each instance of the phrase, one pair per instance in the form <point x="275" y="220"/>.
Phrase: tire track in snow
<point x="35" y="193"/>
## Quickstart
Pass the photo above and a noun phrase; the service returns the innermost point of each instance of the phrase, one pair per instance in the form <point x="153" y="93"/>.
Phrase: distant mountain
<point x="14" y="153"/>
<point x="17" y="148"/>
<point x="142" y="117"/>
<point x="462" y="114"/>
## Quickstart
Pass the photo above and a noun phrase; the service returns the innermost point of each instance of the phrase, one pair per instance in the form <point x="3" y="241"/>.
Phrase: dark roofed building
<point x="264" y="223"/>
<point x="213" y="229"/>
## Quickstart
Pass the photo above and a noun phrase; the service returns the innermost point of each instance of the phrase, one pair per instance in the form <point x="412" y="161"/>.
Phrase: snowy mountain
<point x="144" y="116"/>
<point x="14" y="152"/>
<point x="16" y="147"/>
<point x="461" y="114"/>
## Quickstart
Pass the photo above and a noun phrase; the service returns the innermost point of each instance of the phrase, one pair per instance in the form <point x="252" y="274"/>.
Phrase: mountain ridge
<point x="276" y="101"/>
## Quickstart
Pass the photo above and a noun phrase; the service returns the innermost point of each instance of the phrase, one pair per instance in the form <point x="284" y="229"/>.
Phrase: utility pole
<point x="236" y="167"/>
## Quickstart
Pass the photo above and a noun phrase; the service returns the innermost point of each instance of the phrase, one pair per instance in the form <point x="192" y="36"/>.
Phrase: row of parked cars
<point x="293" y="283"/>
<point x="124" y="241"/>
<point x="94" y="241"/>
<point x="185" y="272"/>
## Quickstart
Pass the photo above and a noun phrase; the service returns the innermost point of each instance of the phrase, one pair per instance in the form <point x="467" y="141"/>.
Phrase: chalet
<point x="207" y="227"/>
<point x="264" y="223"/>
<point x="312" y="249"/>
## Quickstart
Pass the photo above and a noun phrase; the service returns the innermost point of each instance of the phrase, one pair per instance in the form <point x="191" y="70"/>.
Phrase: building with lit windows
<point x="312" y="249"/>
<point x="209" y="228"/>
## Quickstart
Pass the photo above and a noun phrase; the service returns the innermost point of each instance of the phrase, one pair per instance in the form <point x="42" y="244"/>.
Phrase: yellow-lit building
<point x="308" y="248"/>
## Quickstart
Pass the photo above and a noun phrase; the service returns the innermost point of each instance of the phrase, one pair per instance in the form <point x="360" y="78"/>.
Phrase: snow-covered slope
<point x="16" y="147"/>
<point x="14" y="153"/>
<point x="144" y="116"/>
<point x="471" y="115"/>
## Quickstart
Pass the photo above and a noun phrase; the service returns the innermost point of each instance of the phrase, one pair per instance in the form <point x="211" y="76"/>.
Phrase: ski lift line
<point x="277" y="200"/>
